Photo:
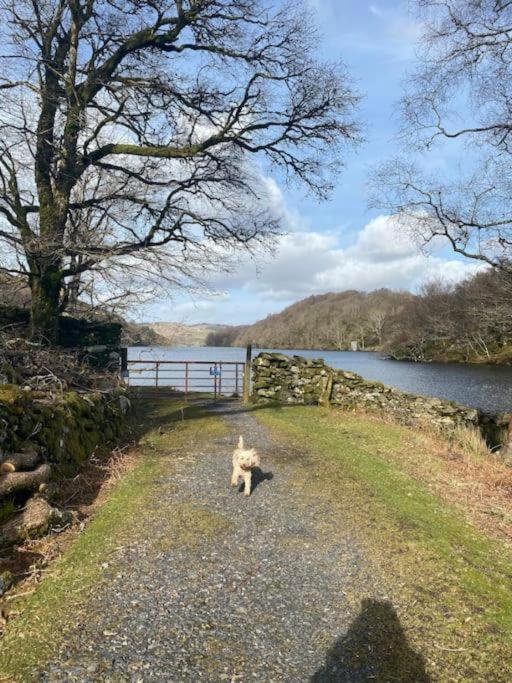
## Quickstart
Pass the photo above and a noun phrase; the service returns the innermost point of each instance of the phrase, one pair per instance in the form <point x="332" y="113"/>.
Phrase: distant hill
<point x="469" y="321"/>
<point x="140" y="335"/>
<point x="326" y="321"/>
<point x="178" y="334"/>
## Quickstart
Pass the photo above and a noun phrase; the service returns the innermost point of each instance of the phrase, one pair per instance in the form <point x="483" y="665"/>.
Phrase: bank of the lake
<point x="487" y="387"/>
<point x="501" y="355"/>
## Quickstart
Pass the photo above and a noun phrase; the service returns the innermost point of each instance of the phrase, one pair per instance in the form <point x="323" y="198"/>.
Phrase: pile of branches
<point x="45" y="368"/>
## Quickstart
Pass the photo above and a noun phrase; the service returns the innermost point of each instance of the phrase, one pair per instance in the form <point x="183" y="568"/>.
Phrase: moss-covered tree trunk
<point x="45" y="285"/>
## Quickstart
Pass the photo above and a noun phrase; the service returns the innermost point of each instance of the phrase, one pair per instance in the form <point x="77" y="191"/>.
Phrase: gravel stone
<point x="263" y="599"/>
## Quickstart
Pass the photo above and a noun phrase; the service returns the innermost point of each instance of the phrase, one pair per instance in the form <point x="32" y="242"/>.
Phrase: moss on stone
<point x="66" y="430"/>
<point x="9" y="393"/>
<point x="7" y="508"/>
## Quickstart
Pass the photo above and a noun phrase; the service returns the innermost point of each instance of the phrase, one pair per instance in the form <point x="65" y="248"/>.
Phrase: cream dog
<point x="244" y="459"/>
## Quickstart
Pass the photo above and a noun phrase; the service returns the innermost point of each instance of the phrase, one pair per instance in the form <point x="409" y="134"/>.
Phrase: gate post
<point x="247" y="374"/>
<point x="123" y="351"/>
<point x="186" y="381"/>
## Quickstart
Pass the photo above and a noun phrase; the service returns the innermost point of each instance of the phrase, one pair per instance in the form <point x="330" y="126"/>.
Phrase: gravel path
<point x="258" y="589"/>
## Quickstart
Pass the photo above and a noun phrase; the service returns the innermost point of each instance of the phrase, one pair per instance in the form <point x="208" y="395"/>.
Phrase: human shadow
<point x="258" y="477"/>
<point x="375" y="649"/>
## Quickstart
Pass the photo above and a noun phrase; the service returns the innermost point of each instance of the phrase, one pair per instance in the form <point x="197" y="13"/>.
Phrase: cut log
<point x="24" y="460"/>
<point x="35" y="520"/>
<point x="24" y="481"/>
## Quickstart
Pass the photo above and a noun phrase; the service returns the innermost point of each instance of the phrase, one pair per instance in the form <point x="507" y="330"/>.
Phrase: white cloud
<point x="184" y="311"/>
<point x="382" y="255"/>
<point x="309" y="262"/>
<point x="306" y="262"/>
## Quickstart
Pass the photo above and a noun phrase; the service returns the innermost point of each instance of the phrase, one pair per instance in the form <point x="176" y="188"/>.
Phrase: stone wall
<point x="44" y="439"/>
<point x="297" y="380"/>
<point x="64" y="430"/>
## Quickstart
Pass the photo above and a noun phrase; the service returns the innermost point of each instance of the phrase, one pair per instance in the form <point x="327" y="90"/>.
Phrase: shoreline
<point x="494" y="360"/>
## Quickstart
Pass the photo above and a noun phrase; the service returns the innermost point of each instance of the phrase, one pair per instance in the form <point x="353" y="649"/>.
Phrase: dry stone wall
<point x="42" y="439"/>
<point x="63" y="430"/>
<point x="297" y="380"/>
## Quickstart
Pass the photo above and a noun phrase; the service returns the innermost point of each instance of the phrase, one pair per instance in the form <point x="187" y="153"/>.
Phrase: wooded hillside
<point x="326" y="321"/>
<point x="470" y="321"/>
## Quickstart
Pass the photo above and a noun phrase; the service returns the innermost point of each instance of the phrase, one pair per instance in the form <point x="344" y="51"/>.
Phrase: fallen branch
<point x="35" y="520"/>
<point x="24" y="481"/>
<point x="25" y="460"/>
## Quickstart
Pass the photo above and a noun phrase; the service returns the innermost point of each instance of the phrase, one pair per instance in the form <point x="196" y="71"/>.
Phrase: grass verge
<point x="45" y="615"/>
<point x="450" y="582"/>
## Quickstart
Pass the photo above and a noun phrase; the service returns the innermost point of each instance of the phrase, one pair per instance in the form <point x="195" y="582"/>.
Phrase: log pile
<point x="25" y="512"/>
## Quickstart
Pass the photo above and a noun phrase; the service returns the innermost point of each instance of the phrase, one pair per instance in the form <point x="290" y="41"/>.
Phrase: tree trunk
<point x="33" y="521"/>
<point x="25" y="460"/>
<point x="45" y="285"/>
<point x="24" y="481"/>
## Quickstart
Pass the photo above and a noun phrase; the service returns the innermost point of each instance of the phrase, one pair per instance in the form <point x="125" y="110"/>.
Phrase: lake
<point x="488" y="387"/>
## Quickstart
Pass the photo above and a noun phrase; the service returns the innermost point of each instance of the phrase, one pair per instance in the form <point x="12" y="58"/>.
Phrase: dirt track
<point x="220" y="587"/>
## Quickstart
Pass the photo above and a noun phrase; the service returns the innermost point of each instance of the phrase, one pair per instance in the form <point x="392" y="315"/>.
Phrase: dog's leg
<point x="235" y="476"/>
<point x="247" y="482"/>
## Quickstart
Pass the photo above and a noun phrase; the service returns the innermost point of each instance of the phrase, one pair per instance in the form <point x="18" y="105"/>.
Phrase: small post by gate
<point x="247" y="374"/>
<point x="123" y="352"/>
<point x="186" y="382"/>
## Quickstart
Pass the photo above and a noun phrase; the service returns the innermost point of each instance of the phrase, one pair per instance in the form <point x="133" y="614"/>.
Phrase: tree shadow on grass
<point x="375" y="649"/>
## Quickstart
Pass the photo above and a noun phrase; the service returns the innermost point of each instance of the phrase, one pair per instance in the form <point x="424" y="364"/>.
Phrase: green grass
<point x="503" y="355"/>
<point x="47" y="613"/>
<point x="458" y="579"/>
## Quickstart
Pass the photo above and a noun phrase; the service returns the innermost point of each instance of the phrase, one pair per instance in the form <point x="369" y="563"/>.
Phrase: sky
<point x="339" y="244"/>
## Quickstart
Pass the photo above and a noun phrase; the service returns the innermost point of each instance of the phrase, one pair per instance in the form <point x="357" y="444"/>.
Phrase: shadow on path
<point x="258" y="477"/>
<point x="373" y="649"/>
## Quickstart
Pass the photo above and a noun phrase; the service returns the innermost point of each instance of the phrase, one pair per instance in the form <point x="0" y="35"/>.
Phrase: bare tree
<point x="127" y="131"/>
<point x="376" y="319"/>
<point x="328" y="321"/>
<point x="461" y="97"/>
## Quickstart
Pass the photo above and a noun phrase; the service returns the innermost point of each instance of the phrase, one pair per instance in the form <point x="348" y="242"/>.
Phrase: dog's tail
<point x="241" y="442"/>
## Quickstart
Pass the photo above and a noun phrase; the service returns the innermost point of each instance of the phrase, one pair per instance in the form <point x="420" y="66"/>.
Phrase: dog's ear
<point x="241" y="442"/>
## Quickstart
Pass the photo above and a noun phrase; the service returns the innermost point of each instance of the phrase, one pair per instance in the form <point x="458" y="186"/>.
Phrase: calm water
<point x="487" y="387"/>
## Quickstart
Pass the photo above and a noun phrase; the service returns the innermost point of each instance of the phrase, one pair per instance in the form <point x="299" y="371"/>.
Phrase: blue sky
<point x="340" y="244"/>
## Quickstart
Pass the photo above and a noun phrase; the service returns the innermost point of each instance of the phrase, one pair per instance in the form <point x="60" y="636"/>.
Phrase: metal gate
<point x="201" y="379"/>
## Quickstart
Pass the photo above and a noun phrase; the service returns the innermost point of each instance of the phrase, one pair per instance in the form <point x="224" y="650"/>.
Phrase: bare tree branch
<point x="138" y="135"/>
<point x="461" y="94"/>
